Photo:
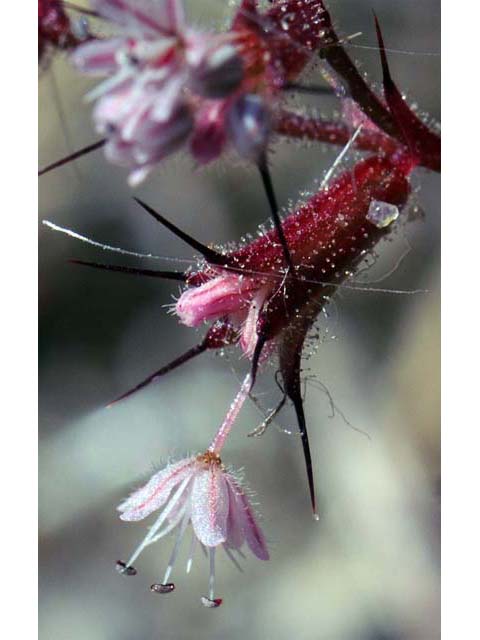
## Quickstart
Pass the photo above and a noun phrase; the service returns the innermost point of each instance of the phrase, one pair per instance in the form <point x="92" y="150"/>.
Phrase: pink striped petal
<point x="210" y="507"/>
<point x="217" y="297"/>
<point x="156" y="492"/>
<point x="235" y="529"/>
<point x="98" y="57"/>
<point x="244" y="511"/>
<point x="249" y="336"/>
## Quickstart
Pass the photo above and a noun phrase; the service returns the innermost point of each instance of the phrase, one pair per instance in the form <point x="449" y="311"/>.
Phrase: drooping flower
<point x="197" y="491"/>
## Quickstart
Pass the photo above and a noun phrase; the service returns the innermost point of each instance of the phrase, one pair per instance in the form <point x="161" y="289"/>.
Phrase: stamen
<point x="176" y="547"/>
<point x="211" y="602"/>
<point x="193" y="546"/>
<point x="124" y="569"/>
<point x="160" y="520"/>
<point x="162" y="588"/>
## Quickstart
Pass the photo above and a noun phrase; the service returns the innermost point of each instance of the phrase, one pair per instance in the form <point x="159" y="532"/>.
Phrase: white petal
<point x="210" y="507"/>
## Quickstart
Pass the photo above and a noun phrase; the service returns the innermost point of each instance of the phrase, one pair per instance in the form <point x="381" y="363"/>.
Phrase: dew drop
<point x="382" y="214"/>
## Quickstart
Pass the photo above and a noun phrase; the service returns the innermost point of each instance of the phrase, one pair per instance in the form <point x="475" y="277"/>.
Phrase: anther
<point x="125" y="570"/>
<point x="211" y="604"/>
<point x="162" y="588"/>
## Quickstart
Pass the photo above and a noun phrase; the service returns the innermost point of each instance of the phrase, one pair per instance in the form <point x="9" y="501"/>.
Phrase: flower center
<point x="209" y="458"/>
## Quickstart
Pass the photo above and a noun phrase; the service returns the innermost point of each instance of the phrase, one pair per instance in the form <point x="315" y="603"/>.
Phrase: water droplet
<point x="382" y="214"/>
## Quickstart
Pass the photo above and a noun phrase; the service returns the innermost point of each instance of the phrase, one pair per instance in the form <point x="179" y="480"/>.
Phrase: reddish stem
<point x="306" y="128"/>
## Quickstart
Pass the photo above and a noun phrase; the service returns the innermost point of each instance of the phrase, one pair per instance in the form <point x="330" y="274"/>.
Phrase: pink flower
<point x="201" y="492"/>
<point x="231" y="297"/>
<point x="159" y="73"/>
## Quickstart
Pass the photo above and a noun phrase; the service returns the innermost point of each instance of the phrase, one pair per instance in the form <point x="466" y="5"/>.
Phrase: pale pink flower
<point x="160" y="72"/>
<point x="198" y="491"/>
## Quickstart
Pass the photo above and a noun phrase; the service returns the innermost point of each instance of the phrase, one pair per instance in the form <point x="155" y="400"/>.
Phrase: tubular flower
<point x="200" y="492"/>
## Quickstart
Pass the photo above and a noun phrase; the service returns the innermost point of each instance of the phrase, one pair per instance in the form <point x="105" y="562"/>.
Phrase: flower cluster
<point x="160" y="72"/>
<point x="169" y="85"/>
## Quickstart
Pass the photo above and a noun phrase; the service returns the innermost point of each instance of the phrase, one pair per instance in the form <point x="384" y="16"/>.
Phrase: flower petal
<point x="156" y="492"/>
<point x="216" y="298"/>
<point x="235" y="521"/>
<point x="210" y="507"/>
<point x="249" y="336"/>
<point x="244" y="511"/>
<point x="98" y="57"/>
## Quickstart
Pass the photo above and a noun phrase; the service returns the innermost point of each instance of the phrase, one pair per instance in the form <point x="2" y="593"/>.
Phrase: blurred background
<point x="369" y="569"/>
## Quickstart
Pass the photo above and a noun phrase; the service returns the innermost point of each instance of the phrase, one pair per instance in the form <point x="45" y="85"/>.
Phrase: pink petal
<point x="210" y="507"/>
<point x="156" y="492"/>
<point x="218" y="297"/>
<point x="253" y="534"/>
<point x="235" y="533"/>
<point x="168" y="97"/>
<point x="112" y="109"/>
<point x="98" y="57"/>
<point x="249" y="337"/>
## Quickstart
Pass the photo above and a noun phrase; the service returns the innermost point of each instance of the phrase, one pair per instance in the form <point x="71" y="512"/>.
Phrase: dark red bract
<point x="54" y="27"/>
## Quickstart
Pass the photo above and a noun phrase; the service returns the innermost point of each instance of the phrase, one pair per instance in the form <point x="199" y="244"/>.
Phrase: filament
<point x="211" y="580"/>
<point x="160" y="520"/>
<point x="191" y="552"/>
<point x="176" y="547"/>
